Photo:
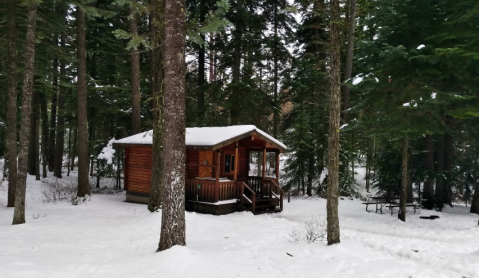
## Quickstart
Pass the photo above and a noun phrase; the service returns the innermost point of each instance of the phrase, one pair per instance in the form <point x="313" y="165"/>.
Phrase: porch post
<point x="264" y="170"/>
<point x="236" y="163"/>
<point x="217" y="173"/>
<point x="277" y="167"/>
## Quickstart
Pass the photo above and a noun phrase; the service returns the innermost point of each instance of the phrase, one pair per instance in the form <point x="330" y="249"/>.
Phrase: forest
<point x="370" y="96"/>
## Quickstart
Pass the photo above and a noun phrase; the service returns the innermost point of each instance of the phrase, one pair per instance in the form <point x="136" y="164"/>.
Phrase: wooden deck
<point x="263" y="196"/>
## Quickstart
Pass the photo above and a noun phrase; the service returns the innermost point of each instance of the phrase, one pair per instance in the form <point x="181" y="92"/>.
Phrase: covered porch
<point x="222" y="178"/>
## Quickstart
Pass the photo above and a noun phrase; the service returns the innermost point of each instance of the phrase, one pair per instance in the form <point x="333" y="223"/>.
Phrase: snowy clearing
<point x="106" y="237"/>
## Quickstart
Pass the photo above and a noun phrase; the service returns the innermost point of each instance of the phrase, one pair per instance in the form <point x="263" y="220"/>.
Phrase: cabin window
<point x="229" y="163"/>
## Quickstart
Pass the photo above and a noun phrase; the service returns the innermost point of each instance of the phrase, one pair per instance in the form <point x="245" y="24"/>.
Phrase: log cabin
<point x="218" y="177"/>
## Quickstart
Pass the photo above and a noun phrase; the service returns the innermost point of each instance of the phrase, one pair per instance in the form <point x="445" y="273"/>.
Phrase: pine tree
<point x="12" y="104"/>
<point x="173" y="211"/>
<point x="82" y="121"/>
<point x="334" y="122"/>
<point x="19" y="213"/>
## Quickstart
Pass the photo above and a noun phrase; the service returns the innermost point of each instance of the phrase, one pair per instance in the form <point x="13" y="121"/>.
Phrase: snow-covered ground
<point x="106" y="237"/>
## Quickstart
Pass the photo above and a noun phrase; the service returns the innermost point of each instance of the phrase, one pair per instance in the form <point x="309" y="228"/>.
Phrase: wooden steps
<point x="264" y="205"/>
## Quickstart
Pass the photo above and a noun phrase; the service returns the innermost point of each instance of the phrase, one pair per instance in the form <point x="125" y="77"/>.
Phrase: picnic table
<point x="387" y="201"/>
<point x="380" y="202"/>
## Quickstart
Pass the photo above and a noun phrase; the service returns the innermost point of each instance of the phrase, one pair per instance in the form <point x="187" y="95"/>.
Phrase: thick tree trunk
<point x="429" y="166"/>
<point x="45" y="153"/>
<point x="12" y="104"/>
<point x="135" y="77"/>
<point x="82" y="121"/>
<point x="235" y="107"/>
<point x="439" y="194"/>
<point x="349" y="59"/>
<point x="157" y="72"/>
<point x="60" y="134"/>
<point x="19" y="213"/>
<point x="53" y="117"/>
<point x="404" y="179"/>
<point x="173" y="212"/>
<point x="333" y="233"/>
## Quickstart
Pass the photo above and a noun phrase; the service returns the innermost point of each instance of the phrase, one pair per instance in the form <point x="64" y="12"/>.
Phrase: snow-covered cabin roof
<point x="208" y="137"/>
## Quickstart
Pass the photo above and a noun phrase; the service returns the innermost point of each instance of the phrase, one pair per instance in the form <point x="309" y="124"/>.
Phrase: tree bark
<point x="36" y="150"/>
<point x="44" y="116"/>
<point x="53" y="116"/>
<point x="60" y="134"/>
<point x="235" y="107"/>
<point x="448" y="159"/>
<point x="475" y="200"/>
<point x="275" y="77"/>
<point x="369" y="160"/>
<point x="201" y="69"/>
<point x="439" y="194"/>
<point x="135" y="76"/>
<point x="33" y="143"/>
<point x="173" y="212"/>
<point x="429" y="166"/>
<point x="19" y="212"/>
<point x="349" y="59"/>
<point x="82" y="121"/>
<point x="333" y="233"/>
<point x="157" y="73"/>
<point x="12" y="104"/>
<point x="404" y="179"/>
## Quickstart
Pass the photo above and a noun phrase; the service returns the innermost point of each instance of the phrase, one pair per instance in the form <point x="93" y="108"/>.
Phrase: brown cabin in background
<point x="218" y="179"/>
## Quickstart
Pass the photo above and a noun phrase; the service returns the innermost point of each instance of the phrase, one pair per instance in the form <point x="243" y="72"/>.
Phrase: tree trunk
<point x="475" y="200"/>
<point x="201" y="70"/>
<point x="439" y="194"/>
<point x="82" y="121"/>
<point x="19" y="213"/>
<point x="235" y="107"/>
<point x="429" y="166"/>
<point x="275" y="77"/>
<point x="349" y="60"/>
<point x="33" y="143"/>
<point x="69" y="150"/>
<point x="12" y="104"/>
<point x="333" y="233"/>
<point x="53" y="116"/>
<point x="44" y="115"/>
<point x="369" y="160"/>
<point x="135" y="76"/>
<point x="173" y="212"/>
<point x="448" y="159"/>
<point x="157" y="72"/>
<point x="60" y="134"/>
<point x="36" y="106"/>
<point x="74" y="149"/>
<point x="404" y="179"/>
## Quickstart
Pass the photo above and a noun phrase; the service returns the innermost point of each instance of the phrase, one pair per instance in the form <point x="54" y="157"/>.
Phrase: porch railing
<point x="209" y="191"/>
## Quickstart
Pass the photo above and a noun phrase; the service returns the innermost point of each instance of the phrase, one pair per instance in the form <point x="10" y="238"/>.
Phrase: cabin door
<point x="206" y="158"/>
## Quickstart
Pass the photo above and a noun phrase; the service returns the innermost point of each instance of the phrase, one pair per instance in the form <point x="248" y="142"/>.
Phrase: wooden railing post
<point x="264" y="170"/>
<point x="253" y="205"/>
<point x="281" y="200"/>
<point x="217" y="183"/>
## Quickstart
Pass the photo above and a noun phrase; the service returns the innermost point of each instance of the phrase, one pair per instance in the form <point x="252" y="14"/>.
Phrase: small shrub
<point x="55" y="191"/>
<point x="310" y="231"/>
